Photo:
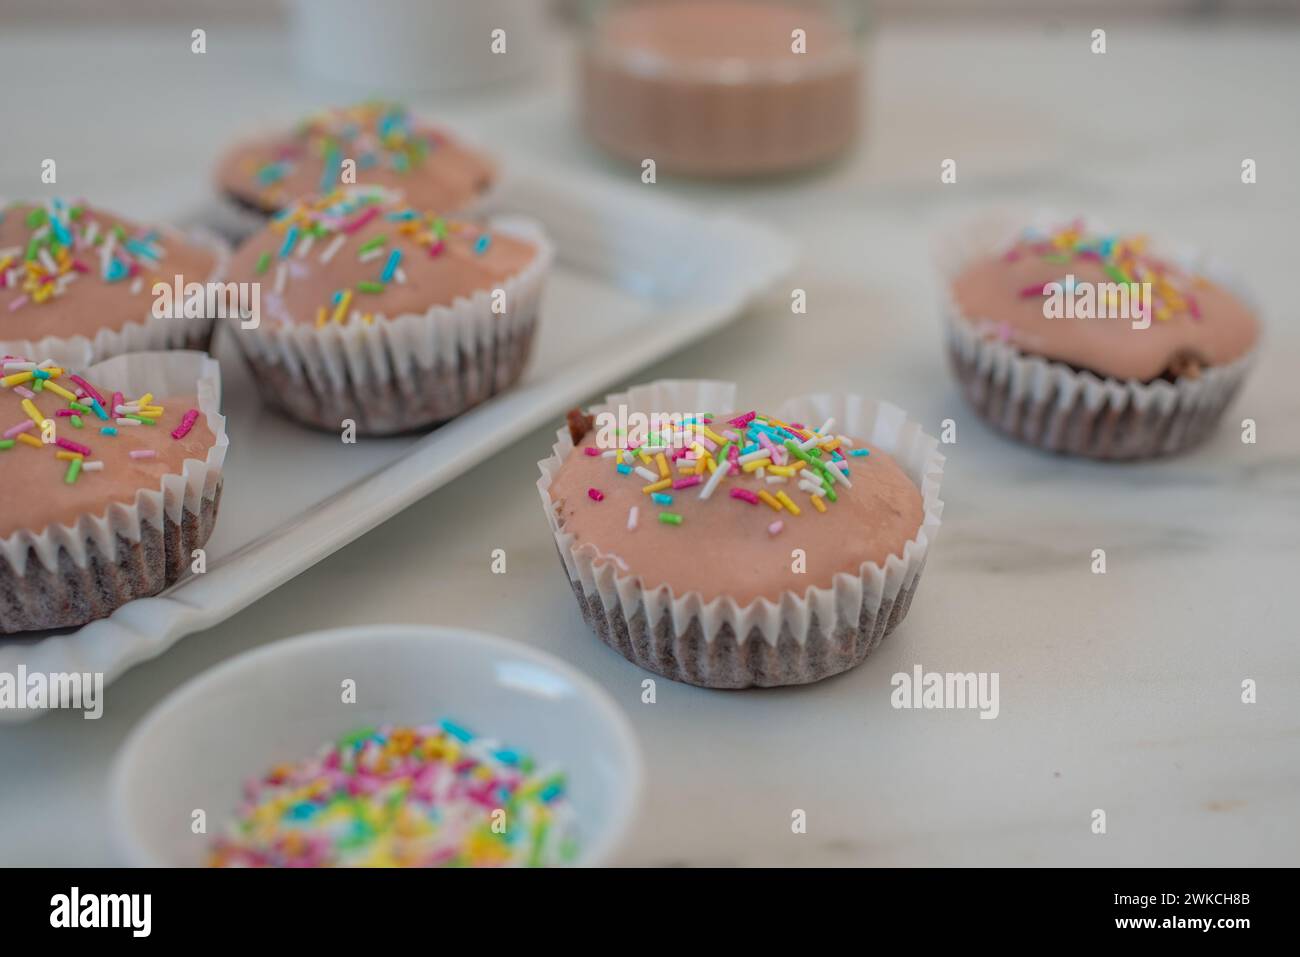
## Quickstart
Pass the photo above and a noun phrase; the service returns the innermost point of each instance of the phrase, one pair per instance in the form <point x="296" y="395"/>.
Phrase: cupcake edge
<point x="148" y="334"/>
<point x="71" y="574"/>
<point x="452" y="357"/>
<point x="765" y="643"/>
<point x="1050" y="405"/>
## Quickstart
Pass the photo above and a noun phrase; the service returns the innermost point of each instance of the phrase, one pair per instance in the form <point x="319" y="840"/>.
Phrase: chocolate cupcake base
<point x="415" y="400"/>
<point x="1059" y="409"/>
<point x="688" y="655"/>
<point x="73" y="594"/>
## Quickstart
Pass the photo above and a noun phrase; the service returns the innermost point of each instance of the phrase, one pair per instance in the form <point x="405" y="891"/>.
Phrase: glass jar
<point x="722" y="87"/>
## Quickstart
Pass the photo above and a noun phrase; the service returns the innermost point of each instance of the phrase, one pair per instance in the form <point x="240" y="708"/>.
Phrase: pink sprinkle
<point x="708" y="443"/>
<point x="745" y="495"/>
<point x="25" y="392"/>
<point x="118" y="400"/>
<point x="1193" y="307"/>
<point x="435" y="249"/>
<point x="676" y="453"/>
<point x="64" y="413"/>
<point x="775" y="527"/>
<point x="592" y="451"/>
<point x="596" y="495"/>
<point x="765" y="442"/>
<point x="1089" y="254"/>
<point x="79" y="266"/>
<point x="741" y="421"/>
<point x="90" y="389"/>
<point x="18" y="429"/>
<point x="1012" y="255"/>
<point x="187" y="423"/>
<point x="17" y="302"/>
<point x="143" y="454"/>
<point x="687" y="482"/>
<point x="1030" y="291"/>
<point x="730" y="436"/>
<point x="361" y="220"/>
<point x="72" y="446"/>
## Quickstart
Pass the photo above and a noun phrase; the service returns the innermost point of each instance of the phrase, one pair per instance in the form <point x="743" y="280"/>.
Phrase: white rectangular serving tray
<point x="637" y="277"/>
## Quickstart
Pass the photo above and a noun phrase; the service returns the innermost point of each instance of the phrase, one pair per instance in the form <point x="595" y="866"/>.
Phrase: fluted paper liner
<point x="403" y="372"/>
<point x="148" y="333"/>
<point x="70" y="574"/>
<point x="1047" y="403"/>
<point x="802" y="637"/>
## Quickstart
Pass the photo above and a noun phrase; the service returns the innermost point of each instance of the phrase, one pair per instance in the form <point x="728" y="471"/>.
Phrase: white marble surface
<point x="1119" y="692"/>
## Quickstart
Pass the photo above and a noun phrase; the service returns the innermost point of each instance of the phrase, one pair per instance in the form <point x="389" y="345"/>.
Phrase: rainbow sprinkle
<point x="1124" y="259"/>
<point x="428" y="796"/>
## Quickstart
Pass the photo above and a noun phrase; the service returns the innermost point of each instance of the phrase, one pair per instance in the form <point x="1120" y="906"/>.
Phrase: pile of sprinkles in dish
<point x="428" y="796"/>
<point x="328" y="225"/>
<point x="49" y="394"/>
<point x="1124" y="259"/>
<point x="786" y="459"/>
<point x="378" y="135"/>
<point x="65" y="243"/>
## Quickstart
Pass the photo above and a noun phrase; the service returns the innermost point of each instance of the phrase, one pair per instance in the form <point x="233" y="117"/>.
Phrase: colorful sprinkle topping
<point x="784" y="458"/>
<point x="1124" y="259"/>
<point x="430" y="796"/>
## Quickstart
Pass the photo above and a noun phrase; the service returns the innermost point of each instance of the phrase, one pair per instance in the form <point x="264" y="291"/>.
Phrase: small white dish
<point x="280" y="703"/>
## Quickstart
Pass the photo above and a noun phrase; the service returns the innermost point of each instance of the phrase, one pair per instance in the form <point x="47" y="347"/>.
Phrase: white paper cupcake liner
<point x="404" y="372"/>
<point x="147" y="334"/>
<point x="1061" y="409"/>
<point x="69" y="574"/>
<point x="800" y="638"/>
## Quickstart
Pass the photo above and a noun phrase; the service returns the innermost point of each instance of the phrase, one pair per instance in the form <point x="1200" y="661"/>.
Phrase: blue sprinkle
<point x="482" y="244"/>
<point x="456" y="731"/>
<point x="624" y="469"/>
<point x="860" y="452"/>
<point x="290" y="238"/>
<point x="662" y="499"/>
<point x="108" y="430"/>
<point x="506" y="756"/>
<point x="390" y="267"/>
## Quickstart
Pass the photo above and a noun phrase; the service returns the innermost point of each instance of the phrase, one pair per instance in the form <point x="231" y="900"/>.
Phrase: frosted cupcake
<point x="730" y="549"/>
<point x="109" y="479"/>
<point x="76" y="283"/>
<point x="388" y="146"/>
<point x="383" y="314"/>
<point x="1092" y="343"/>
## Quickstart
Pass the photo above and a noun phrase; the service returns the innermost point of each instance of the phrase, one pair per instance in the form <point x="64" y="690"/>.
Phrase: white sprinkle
<point x="811" y="487"/>
<point x="128" y="421"/>
<point x="19" y="366"/>
<point x="834" y="468"/>
<point x="845" y="440"/>
<point x="775" y="527"/>
<point x="714" y="480"/>
<point x="631" y="518"/>
<point x="775" y="480"/>
<point x="332" y="248"/>
<point x="761" y="472"/>
<point x="646" y="474"/>
<point x="281" y="273"/>
<point x="304" y="247"/>
<point x="372" y="254"/>
<point x="136" y="286"/>
<point x="400" y="276"/>
<point x="106" y="254"/>
<point x="143" y="454"/>
<point x="754" y="456"/>
<point x="92" y="233"/>
<point x="609" y="453"/>
<point x="827" y="426"/>
<point x="48" y="261"/>
<point x="46" y="364"/>
<point x="95" y="466"/>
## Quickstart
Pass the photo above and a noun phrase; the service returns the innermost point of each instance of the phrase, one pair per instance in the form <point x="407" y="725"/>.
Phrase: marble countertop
<point x="1119" y="691"/>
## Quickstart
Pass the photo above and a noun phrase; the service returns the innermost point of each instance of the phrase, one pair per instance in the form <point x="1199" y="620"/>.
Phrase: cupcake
<point x="109" y="479"/>
<point x="77" y="284"/>
<point x="1092" y="343"/>
<point x="731" y="548"/>
<point x="389" y="146"/>
<point x="386" y="315"/>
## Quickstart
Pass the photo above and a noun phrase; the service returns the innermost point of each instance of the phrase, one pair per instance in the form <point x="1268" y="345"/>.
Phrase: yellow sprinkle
<point x="663" y="465"/>
<point x="368" y="319"/>
<point x="645" y="459"/>
<point x="341" y="309"/>
<point x="619" y="457"/>
<point x="818" y="503"/>
<point x="321" y="317"/>
<point x="67" y="456"/>
<point x="18" y="378"/>
<point x="709" y="463"/>
<point x="786" y="470"/>
<point x="765" y="496"/>
<point x="30" y="440"/>
<point x="33" y="413"/>
<point x="755" y="465"/>
<point x="144" y="400"/>
<point x="59" y="390"/>
<point x="713" y="435"/>
<point x="657" y="486"/>
<point x="787" y="501"/>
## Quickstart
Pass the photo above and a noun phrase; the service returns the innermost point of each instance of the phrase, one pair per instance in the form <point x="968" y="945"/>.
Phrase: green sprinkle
<point x="372" y="244"/>
<point x="36" y="218"/>
<point x="76" y="421"/>
<point x="369" y="285"/>
<point x="38" y="385"/>
<point x="6" y="444"/>
<point x="79" y="407"/>
<point x="74" y="469"/>
<point x="670" y="518"/>
<point x="263" y="263"/>
<point x="139" y="418"/>
<point x="722" y="453"/>
<point x="1114" y="273"/>
<point x="1058" y="259"/>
